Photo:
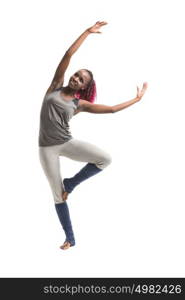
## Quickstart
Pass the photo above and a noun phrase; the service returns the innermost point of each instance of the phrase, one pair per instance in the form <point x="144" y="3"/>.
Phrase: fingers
<point x="141" y="92"/>
<point x="145" y="85"/>
<point x="101" y="23"/>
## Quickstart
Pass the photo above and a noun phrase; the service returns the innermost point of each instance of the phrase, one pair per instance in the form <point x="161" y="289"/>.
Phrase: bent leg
<point x="78" y="150"/>
<point x="86" y="152"/>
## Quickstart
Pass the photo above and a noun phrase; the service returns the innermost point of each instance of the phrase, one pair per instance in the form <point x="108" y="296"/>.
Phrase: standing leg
<point x="64" y="217"/>
<point x="49" y="159"/>
<point x="82" y="151"/>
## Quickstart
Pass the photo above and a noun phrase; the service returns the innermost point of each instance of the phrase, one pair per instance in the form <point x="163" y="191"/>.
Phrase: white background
<point x="129" y="220"/>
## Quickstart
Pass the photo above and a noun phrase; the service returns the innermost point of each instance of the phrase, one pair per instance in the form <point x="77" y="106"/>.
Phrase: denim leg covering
<point x="86" y="172"/>
<point x="64" y="217"/>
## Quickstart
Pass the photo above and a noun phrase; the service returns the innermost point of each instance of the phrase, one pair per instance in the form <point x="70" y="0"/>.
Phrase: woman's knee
<point x="105" y="160"/>
<point x="57" y="189"/>
<point x="58" y="198"/>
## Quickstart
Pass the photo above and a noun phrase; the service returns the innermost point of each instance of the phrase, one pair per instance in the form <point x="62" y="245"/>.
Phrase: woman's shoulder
<point x="76" y="101"/>
<point x="50" y="94"/>
<point x="84" y="103"/>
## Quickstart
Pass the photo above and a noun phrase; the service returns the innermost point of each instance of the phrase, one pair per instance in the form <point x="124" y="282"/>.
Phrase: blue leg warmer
<point x="86" y="172"/>
<point x="64" y="217"/>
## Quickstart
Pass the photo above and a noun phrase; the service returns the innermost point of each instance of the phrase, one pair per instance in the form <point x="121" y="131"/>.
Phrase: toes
<point x="65" y="246"/>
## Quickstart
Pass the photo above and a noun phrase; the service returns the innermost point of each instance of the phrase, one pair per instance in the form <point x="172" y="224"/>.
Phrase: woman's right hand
<point x="140" y="93"/>
<point x="95" y="28"/>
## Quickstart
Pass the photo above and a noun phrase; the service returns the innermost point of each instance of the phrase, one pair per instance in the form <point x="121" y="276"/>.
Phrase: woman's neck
<point x="68" y="91"/>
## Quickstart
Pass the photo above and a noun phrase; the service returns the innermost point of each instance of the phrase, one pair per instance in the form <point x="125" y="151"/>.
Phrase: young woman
<point x="59" y="105"/>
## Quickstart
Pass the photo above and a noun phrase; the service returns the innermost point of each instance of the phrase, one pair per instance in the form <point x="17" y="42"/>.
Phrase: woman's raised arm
<point x="58" y="78"/>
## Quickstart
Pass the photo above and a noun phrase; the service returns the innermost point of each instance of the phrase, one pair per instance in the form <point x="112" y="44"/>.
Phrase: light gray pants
<point x="74" y="149"/>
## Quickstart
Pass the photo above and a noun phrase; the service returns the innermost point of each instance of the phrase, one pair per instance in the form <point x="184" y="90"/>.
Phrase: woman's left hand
<point x="95" y="28"/>
<point x="140" y="93"/>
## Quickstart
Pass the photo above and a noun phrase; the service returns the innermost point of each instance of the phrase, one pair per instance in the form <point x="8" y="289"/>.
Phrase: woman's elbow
<point x="112" y="109"/>
<point x="68" y="53"/>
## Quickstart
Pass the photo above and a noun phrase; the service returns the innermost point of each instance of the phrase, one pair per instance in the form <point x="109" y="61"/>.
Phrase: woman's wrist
<point x="88" y="30"/>
<point x="137" y="99"/>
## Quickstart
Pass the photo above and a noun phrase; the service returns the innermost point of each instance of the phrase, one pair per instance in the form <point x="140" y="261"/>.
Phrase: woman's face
<point x="79" y="80"/>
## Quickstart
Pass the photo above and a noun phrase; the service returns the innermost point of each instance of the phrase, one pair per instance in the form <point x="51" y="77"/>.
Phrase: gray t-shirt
<point x="54" y="118"/>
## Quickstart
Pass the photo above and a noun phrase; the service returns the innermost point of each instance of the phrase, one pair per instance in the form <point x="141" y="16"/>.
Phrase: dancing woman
<point x="60" y="103"/>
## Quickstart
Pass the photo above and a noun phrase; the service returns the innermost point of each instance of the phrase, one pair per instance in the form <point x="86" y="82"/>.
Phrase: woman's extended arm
<point x="93" y="29"/>
<point x="100" y="108"/>
<point x="58" y="78"/>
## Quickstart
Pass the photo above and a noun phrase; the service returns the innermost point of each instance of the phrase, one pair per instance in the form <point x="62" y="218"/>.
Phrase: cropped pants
<point x="74" y="149"/>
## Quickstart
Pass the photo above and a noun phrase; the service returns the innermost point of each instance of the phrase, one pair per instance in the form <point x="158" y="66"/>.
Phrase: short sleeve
<point x="76" y="102"/>
<point x="58" y="89"/>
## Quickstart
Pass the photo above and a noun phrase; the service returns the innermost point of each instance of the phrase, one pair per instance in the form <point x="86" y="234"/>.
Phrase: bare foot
<point x="64" y="195"/>
<point x="65" y="246"/>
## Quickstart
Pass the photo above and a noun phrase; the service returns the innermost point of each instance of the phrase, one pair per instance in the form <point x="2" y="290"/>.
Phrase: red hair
<point x="89" y="93"/>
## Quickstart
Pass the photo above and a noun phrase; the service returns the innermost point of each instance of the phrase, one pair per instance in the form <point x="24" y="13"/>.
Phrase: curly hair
<point x="90" y="92"/>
